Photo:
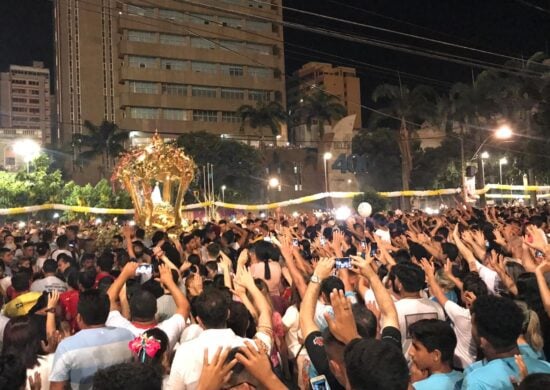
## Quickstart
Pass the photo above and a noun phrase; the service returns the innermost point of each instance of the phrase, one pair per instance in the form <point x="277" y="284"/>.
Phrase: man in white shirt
<point x="407" y="281"/>
<point x="212" y="309"/>
<point x="143" y="306"/>
<point x="50" y="282"/>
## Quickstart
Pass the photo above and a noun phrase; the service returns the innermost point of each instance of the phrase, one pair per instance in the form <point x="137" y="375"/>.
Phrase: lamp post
<point x="327" y="156"/>
<point x="223" y="192"/>
<point x="484" y="156"/>
<point x="502" y="133"/>
<point x="501" y="162"/>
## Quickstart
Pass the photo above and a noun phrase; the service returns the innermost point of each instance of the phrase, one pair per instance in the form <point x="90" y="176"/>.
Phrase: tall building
<point x="172" y="65"/>
<point x="25" y="102"/>
<point x="337" y="81"/>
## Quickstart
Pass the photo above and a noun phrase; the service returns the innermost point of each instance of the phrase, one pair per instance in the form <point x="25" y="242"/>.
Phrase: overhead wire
<point x="387" y="30"/>
<point x="413" y="50"/>
<point x="377" y="111"/>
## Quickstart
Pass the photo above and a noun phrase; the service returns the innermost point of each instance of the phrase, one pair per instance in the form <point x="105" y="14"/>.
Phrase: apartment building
<point x="172" y="65"/>
<point x="339" y="81"/>
<point x="25" y="101"/>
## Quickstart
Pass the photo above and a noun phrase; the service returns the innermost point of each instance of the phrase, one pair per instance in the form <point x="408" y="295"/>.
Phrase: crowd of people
<point x="398" y="300"/>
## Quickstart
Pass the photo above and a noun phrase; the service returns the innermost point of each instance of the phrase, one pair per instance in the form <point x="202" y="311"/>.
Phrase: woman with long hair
<point x="265" y="265"/>
<point x="22" y="339"/>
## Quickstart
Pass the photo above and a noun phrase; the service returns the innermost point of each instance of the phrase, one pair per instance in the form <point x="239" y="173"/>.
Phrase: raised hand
<point x="342" y="325"/>
<point x="216" y="373"/>
<point x="324" y="267"/>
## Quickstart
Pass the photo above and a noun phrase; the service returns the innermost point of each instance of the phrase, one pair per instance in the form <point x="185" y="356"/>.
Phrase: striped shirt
<point x="78" y="357"/>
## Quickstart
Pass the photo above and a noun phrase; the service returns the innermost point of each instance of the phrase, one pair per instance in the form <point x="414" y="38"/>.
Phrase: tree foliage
<point x="270" y="115"/>
<point x="319" y="106"/>
<point x="236" y="165"/>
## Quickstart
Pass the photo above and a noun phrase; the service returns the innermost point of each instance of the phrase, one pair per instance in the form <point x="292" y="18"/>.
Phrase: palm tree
<point x="321" y="106"/>
<point x="404" y="106"/>
<point x="105" y="140"/>
<point x="271" y="115"/>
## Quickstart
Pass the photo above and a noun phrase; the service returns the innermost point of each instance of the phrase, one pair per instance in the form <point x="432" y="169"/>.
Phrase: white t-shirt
<point x="5" y="282"/>
<point x="466" y="349"/>
<point x="384" y="235"/>
<point x="173" y="326"/>
<point x="166" y="307"/>
<point x="490" y="278"/>
<point x="44" y="368"/>
<point x="291" y="320"/>
<point x="49" y="283"/>
<point x="187" y="365"/>
<point x="411" y="310"/>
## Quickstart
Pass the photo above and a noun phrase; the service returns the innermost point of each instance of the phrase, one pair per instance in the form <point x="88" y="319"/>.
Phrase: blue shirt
<point x="78" y="357"/>
<point x="449" y="381"/>
<point x="495" y="375"/>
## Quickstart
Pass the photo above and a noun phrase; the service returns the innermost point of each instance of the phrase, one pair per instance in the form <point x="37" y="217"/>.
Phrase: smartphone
<point x="144" y="269"/>
<point x="295" y="242"/>
<point x="373" y="249"/>
<point x="363" y="244"/>
<point x="319" y="383"/>
<point x="539" y="253"/>
<point x="342" y="262"/>
<point x="323" y="240"/>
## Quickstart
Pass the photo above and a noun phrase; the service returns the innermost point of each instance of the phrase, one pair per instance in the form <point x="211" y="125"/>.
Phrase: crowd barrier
<point x="297" y="201"/>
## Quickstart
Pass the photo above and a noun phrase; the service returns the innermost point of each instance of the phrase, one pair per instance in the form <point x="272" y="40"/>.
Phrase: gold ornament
<point x="144" y="170"/>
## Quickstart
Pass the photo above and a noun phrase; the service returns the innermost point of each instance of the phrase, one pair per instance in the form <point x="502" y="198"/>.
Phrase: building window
<point x="261" y="49"/>
<point x="140" y="11"/>
<point x="208" y="92"/>
<point x="258" y="95"/>
<point x="231" y="117"/>
<point x="170" y="39"/>
<point x="203" y="67"/>
<point x="22" y="91"/>
<point x="169" y="14"/>
<point x="141" y="36"/>
<point x="143" y="87"/>
<point x="19" y="109"/>
<point x="231" y="45"/>
<point x="201" y="43"/>
<point x="33" y="92"/>
<point x="9" y="161"/>
<point x="22" y="82"/>
<point x="233" y="70"/>
<point x="144" y="113"/>
<point x="231" y="22"/>
<point x="174" y="89"/>
<point x="258" y="26"/>
<point x="200" y="18"/>
<point x="34" y="110"/>
<point x="19" y="100"/>
<point x="143" y="62"/>
<point x="233" y="94"/>
<point x="34" y="101"/>
<point x="170" y="64"/>
<point x="260" y="72"/>
<point x="34" y="83"/>
<point x="175" y="115"/>
<point x="205" y="116"/>
<point x="34" y="119"/>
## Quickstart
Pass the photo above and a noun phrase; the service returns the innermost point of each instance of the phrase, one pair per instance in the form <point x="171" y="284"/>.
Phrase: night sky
<point x="509" y="27"/>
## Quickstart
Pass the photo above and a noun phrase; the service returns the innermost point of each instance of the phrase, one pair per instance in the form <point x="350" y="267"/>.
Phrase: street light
<point x="223" y="192"/>
<point x="484" y="156"/>
<point x="504" y="132"/>
<point x="501" y="162"/>
<point x="273" y="182"/>
<point x="27" y="149"/>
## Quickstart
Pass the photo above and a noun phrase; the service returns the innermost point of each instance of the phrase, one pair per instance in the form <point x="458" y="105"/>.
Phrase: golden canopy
<point x="144" y="170"/>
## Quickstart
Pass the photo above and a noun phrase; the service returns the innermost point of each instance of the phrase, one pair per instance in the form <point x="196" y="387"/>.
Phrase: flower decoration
<point x="143" y="346"/>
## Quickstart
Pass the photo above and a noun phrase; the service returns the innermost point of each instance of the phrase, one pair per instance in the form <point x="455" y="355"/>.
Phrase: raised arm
<point x="288" y="254"/>
<point x="307" y="308"/>
<point x="542" y="269"/>
<point x="127" y="272"/>
<point x="464" y="251"/>
<point x="182" y="305"/>
<point x="387" y="307"/>
<point x="244" y="278"/>
<point x="435" y="289"/>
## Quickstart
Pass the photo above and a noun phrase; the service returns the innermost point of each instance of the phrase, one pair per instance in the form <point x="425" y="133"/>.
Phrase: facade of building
<point x="175" y="66"/>
<point x="338" y="81"/>
<point x="25" y="101"/>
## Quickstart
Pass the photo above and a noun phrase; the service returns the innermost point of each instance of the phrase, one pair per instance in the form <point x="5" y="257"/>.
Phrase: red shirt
<point x="69" y="304"/>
